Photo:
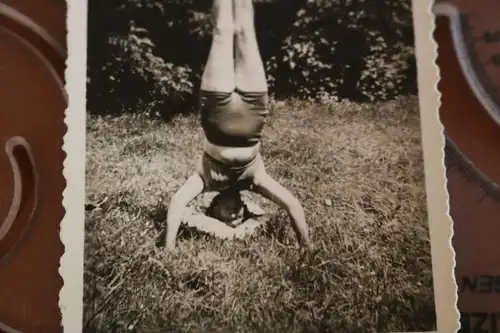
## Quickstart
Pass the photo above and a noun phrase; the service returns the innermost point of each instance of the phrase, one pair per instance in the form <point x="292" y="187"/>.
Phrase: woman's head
<point x="227" y="206"/>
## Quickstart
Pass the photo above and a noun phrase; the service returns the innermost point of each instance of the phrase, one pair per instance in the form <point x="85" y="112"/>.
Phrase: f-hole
<point x="24" y="196"/>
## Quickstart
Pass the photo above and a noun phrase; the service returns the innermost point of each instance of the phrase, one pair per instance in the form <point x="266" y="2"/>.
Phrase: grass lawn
<point x="358" y="171"/>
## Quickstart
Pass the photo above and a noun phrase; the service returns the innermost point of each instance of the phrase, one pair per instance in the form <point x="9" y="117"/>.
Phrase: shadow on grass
<point x="159" y="217"/>
<point x="276" y="229"/>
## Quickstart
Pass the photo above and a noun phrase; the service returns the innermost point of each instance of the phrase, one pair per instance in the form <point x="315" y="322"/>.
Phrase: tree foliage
<point x="148" y="55"/>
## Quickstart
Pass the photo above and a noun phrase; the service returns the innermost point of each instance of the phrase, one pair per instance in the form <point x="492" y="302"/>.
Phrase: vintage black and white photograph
<point x="255" y="166"/>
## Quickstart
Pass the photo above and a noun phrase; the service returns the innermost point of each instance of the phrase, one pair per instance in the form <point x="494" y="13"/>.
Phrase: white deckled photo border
<point x="440" y="223"/>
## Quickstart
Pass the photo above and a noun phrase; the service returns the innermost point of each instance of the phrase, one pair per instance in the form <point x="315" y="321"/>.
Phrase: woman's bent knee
<point x="244" y="34"/>
<point x="223" y="31"/>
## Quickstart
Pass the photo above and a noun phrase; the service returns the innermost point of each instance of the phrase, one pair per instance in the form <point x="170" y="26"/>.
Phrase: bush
<point x="148" y="55"/>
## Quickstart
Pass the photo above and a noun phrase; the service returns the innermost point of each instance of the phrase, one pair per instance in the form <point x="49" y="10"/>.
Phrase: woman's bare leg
<point x="218" y="75"/>
<point x="250" y="75"/>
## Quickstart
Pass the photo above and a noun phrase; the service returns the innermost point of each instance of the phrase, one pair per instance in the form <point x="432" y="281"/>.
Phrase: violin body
<point x="32" y="63"/>
<point x="468" y="38"/>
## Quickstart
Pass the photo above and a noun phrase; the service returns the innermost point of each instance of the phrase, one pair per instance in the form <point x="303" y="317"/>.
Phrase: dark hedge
<point x="148" y="55"/>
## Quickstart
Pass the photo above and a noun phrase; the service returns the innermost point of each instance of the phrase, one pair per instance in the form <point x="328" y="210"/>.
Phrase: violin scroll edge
<point x="456" y="26"/>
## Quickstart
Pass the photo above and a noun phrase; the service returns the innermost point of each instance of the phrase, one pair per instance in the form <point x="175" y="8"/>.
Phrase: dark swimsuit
<point x="218" y="176"/>
<point x="234" y="119"/>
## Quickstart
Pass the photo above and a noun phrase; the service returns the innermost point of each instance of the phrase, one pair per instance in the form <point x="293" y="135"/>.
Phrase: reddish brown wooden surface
<point x="32" y="106"/>
<point x="49" y="14"/>
<point x="476" y="215"/>
<point x="480" y="22"/>
<point x="465" y="121"/>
